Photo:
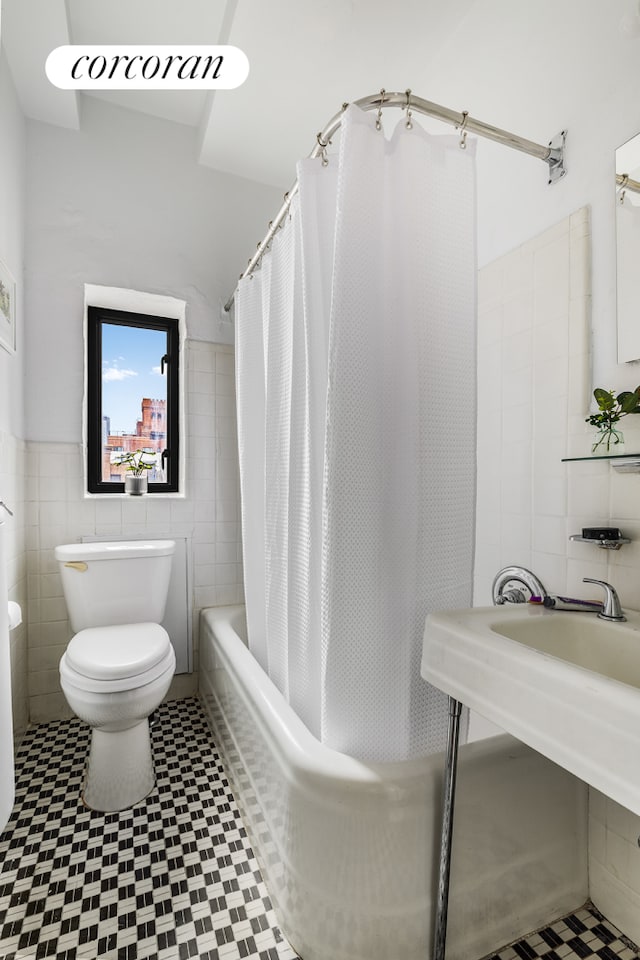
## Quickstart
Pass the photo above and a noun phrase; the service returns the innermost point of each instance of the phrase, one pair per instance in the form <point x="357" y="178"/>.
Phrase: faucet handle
<point x="611" y="609"/>
<point x="510" y="596"/>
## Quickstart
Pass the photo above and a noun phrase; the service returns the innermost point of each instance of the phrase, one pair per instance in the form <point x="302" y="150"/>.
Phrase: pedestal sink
<point x="567" y="684"/>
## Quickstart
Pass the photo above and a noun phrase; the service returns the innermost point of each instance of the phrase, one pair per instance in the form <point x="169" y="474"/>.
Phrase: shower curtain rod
<point x="553" y="154"/>
<point x="625" y="181"/>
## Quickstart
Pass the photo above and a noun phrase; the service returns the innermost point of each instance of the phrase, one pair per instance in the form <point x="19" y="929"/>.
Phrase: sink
<point x="567" y="684"/>
<point x="612" y="650"/>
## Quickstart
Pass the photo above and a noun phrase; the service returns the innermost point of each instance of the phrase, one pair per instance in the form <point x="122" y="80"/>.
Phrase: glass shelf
<point x="604" y="456"/>
<point x="621" y="462"/>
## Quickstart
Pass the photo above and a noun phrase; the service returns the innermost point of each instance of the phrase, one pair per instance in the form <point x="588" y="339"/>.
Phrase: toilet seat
<point x="115" y="658"/>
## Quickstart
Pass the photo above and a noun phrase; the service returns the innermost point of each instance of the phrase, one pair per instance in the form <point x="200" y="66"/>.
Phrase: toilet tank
<point x="120" y="581"/>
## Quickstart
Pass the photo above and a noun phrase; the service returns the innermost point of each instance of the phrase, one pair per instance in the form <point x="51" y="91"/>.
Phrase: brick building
<point x="150" y="436"/>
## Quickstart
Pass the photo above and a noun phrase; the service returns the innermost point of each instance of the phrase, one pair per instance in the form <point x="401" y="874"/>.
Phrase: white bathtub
<point x="348" y="850"/>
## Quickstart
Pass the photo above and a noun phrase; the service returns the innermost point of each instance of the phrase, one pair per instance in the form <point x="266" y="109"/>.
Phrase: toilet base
<point x="119" y="769"/>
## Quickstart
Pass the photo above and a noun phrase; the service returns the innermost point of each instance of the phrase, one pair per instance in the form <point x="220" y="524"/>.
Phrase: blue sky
<point x="130" y="371"/>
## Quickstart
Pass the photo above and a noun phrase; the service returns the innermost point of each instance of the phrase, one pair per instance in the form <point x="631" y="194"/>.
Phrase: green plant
<point x="611" y="409"/>
<point x="135" y="462"/>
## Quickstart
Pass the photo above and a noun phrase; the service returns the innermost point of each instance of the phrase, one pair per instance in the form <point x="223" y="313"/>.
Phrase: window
<point x="132" y="398"/>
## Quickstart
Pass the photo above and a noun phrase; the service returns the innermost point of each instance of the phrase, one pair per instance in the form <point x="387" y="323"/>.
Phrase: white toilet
<point x="119" y="665"/>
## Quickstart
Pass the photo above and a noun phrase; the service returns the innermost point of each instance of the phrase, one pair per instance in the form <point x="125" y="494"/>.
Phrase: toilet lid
<point x="116" y="652"/>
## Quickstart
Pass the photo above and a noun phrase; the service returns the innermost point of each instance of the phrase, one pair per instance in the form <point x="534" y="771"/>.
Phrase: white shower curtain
<point x="355" y="357"/>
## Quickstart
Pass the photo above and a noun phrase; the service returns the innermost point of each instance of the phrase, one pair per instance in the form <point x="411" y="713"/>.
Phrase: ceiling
<point x="518" y="65"/>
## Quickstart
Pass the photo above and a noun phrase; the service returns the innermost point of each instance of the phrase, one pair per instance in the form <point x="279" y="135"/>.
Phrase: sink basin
<point x="567" y="684"/>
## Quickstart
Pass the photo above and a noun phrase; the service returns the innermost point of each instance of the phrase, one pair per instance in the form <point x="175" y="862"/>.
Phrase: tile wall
<point x="614" y="862"/>
<point x="57" y="511"/>
<point x="534" y="384"/>
<point x="596" y="491"/>
<point x="533" y="380"/>
<point x="12" y="492"/>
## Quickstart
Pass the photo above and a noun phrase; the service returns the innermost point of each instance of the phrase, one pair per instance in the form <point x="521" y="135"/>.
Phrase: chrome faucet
<point x="611" y="608"/>
<point x="514" y="594"/>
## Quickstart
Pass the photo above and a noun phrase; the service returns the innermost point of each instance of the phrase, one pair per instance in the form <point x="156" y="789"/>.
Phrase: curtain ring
<point x="622" y="192"/>
<point x="379" y="117"/>
<point x="323" y="144"/>
<point x="463" y="130"/>
<point x="408" y="122"/>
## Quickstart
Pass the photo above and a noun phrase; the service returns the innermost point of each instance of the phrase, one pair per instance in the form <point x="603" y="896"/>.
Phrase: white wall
<point x="12" y="452"/>
<point x="614" y="862"/>
<point x="12" y="198"/>
<point x="533" y="324"/>
<point x="535" y="68"/>
<point x="533" y="379"/>
<point x="123" y="203"/>
<point x="207" y="518"/>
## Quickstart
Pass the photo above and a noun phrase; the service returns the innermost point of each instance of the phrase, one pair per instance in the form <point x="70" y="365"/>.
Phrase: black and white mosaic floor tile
<point x="584" y="934"/>
<point x="174" y="878"/>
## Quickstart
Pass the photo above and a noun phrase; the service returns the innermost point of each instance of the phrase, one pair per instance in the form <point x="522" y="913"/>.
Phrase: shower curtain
<point x="356" y="359"/>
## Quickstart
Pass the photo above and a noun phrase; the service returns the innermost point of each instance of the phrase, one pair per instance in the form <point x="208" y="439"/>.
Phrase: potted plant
<point x="136" y="480"/>
<point x="611" y="409"/>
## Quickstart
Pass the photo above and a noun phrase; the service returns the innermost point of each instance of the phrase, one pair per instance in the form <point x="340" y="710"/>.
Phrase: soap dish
<point x="600" y="542"/>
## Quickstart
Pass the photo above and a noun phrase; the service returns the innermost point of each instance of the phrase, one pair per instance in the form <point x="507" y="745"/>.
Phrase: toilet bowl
<point x="114" y="674"/>
<point x="95" y="679"/>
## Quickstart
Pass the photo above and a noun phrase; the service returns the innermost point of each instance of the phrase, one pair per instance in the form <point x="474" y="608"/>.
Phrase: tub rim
<point x="291" y="741"/>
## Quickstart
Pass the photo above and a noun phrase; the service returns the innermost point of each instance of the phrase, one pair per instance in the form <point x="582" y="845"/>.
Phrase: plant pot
<point x="135" y="486"/>
<point x="607" y="443"/>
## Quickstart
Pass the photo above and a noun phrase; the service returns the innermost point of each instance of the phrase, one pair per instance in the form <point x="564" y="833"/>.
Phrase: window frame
<point x="96" y="317"/>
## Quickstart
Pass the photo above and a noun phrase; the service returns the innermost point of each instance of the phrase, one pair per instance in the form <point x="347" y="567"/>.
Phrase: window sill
<point x="129" y="496"/>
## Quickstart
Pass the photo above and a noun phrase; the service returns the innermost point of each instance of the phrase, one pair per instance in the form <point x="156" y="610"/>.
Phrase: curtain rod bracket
<point x="557" y="169"/>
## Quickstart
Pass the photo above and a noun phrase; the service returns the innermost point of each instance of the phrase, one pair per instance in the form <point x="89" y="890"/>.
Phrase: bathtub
<point x="348" y="850"/>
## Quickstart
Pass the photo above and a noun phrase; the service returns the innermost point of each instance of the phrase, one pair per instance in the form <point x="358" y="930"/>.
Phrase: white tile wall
<point x="533" y="362"/>
<point x="12" y="491"/>
<point x="534" y="394"/>
<point x="614" y="862"/>
<point x="57" y="511"/>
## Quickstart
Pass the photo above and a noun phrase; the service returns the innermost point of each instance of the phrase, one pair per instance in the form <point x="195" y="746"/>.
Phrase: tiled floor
<point x="173" y="879"/>
<point x="583" y="934"/>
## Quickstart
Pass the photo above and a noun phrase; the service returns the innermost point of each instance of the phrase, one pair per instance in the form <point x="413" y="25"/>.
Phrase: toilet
<point x="119" y="664"/>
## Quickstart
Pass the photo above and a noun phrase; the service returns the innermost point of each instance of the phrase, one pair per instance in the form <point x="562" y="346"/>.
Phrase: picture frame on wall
<point x="7" y="309"/>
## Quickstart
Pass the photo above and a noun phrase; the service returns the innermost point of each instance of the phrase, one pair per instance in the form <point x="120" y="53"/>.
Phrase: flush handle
<point x="77" y="565"/>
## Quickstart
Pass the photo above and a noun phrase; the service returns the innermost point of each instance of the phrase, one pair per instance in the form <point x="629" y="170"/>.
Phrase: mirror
<point x="628" y="248"/>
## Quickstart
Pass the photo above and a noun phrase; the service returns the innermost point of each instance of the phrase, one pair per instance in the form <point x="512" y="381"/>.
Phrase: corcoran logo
<point x="98" y="67"/>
